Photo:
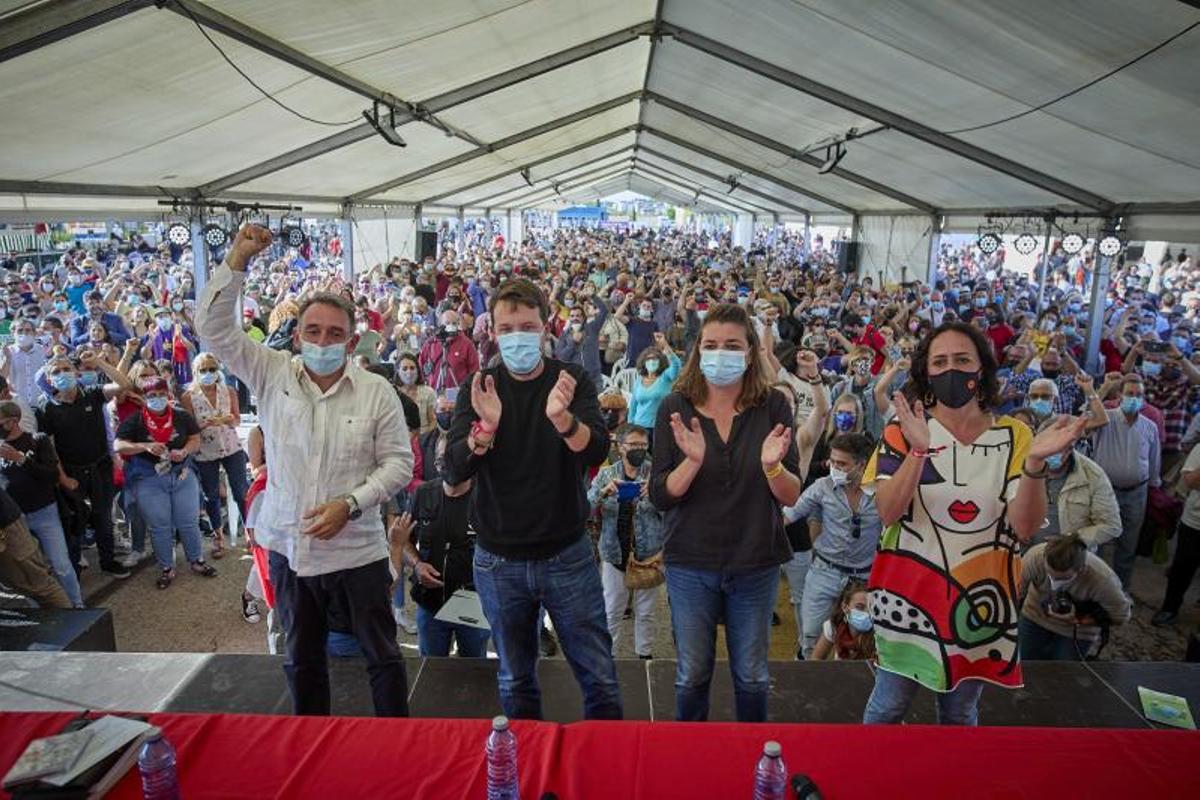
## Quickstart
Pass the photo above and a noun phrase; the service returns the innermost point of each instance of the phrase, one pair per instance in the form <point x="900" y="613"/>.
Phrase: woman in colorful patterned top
<point x="957" y="490"/>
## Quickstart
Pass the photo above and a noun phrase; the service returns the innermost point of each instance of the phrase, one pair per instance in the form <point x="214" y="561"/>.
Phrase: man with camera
<point x="447" y="358"/>
<point x="1072" y="598"/>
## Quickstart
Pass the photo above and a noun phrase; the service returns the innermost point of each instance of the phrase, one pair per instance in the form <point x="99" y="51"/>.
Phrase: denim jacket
<point x="647" y="520"/>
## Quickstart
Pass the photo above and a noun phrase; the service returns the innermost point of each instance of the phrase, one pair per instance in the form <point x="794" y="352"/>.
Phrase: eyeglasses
<point x="856" y="526"/>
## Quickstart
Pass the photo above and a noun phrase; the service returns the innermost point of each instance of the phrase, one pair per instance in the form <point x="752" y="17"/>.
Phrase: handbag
<point x="644" y="574"/>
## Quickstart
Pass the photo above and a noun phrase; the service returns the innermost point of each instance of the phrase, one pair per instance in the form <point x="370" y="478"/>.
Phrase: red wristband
<point x="915" y="453"/>
<point x="479" y="427"/>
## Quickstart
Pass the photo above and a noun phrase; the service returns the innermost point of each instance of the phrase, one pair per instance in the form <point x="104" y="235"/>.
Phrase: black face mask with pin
<point x="637" y="456"/>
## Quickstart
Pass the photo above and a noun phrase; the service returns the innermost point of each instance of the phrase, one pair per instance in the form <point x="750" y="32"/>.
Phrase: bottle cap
<point x="772" y="750"/>
<point x="500" y="723"/>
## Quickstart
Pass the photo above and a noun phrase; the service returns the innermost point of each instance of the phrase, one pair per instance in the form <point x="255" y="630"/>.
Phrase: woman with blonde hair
<point x="724" y="464"/>
<point x="214" y="406"/>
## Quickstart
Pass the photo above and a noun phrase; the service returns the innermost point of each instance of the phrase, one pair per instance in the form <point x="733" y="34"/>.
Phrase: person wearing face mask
<point x="339" y="449"/>
<point x="449" y="357"/>
<point x="158" y="445"/>
<point x="848" y="634"/>
<point x="370" y="342"/>
<point x="214" y="406"/>
<point x="1169" y="379"/>
<point x="657" y="368"/>
<point x="1058" y="367"/>
<point x="580" y="339"/>
<point x="1130" y="453"/>
<point x="845" y="546"/>
<point x="21" y="361"/>
<point x="631" y="538"/>
<point x="957" y="490"/>
<point x="30" y="469"/>
<point x="411" y="383"/>
<point x="641" y="326"/>
<point x="74" y="418"/>
<point x="867" y="388"/>
<point x="1070" y="595"/>
<point x="433" y="442"/>
<point x="1079" y="500"/>
<point x="528" y="430"/>
<point x="174" y="342"/>
<point x="724" y="451"/>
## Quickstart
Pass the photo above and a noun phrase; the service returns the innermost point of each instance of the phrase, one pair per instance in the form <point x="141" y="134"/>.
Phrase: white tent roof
<point x="115" y="104"/>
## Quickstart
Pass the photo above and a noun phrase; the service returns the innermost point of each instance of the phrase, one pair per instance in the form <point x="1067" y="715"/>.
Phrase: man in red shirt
<point x="999" y="331"/>
<point x="448" y="357"/>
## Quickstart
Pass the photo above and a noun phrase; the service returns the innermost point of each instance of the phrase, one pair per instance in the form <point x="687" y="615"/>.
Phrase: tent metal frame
<point x="488" y="200"/>
<point x="649" y="151"/>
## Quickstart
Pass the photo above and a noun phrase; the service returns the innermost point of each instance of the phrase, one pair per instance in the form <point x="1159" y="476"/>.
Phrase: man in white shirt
<point x="22" y="360"/>
<point x="337" y="448"/>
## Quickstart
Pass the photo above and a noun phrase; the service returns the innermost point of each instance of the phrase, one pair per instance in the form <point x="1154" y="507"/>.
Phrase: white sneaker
<point x="403" y="621"/>
<point x="132" y="559"/>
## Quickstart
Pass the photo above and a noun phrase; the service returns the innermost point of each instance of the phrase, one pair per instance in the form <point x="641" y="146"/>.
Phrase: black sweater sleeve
<point x="586" y="408"/>
<point x="44" y="464"/>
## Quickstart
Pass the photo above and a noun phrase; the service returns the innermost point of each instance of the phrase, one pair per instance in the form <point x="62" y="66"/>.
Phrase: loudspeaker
<point x="847" y="255"/>
<point x="426" y="244"/>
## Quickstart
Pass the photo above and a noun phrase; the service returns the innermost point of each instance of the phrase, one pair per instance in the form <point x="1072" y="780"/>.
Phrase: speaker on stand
<point x="427" y="242"/>
<point x="846" y="253"/>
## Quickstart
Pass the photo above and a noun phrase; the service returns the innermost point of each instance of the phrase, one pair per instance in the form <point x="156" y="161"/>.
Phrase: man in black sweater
<point x="527" y="431"/>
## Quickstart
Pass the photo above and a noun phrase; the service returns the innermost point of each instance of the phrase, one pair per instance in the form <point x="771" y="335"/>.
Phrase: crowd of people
<point x="562" y="426"/>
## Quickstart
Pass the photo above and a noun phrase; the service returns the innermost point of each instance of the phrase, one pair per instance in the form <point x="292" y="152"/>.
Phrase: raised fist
<point x="249" y="242"/>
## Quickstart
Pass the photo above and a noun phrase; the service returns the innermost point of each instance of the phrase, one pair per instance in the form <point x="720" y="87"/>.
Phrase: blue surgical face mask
<point x="88" y="378"/>
<point x="156" y="404"/>
<point x="1041" y="407"/>
<point x="1145" y="330"/>
<point x="652" y="366"/>
<point x="165" y="323"/>
<point x="61" y="305"/>
<point x="1151" y="368"/>
<point x="1068" y="330"/>
<point x="209" y="378"/>
<point x="938" y="306"/>
<point x="63" y="381"/>
<point x="859" y="620"/>
<point x="722" y="367"/>
<point x="521" y="351"/>
<point x="1182" y="344"/>
<point x="1131" y="405"/>
<point x="323" y="360"/>
<point x="844" y="420"/>
<point x="1054" y="462"/>
<point x="981" y="302"/>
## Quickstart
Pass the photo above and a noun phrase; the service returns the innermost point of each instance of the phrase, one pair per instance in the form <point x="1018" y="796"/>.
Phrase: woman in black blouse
<point x="158" y="444"/>
<point x="724" y="465"/>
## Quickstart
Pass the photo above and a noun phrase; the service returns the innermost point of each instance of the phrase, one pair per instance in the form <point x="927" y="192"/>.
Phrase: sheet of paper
<point x="464" y="608"/>
<point x="53" y="754"/>
<point x="109" y="734"/>
<point x="1169" y="709"/>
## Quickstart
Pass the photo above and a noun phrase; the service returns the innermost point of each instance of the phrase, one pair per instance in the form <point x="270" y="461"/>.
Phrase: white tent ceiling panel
<point x="753" y="155"/>
<point x="156" y="105"/>
<point x="418" y="49"/>
<point x="529" y="150"/>
<point x="348" y="169"/>
<point x="690" y="178"/>
<point x="598" y="168"/>
<point x="554" y="94"/>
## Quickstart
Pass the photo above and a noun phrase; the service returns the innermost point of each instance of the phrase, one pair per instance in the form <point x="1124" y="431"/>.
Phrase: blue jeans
<point x="698" y="599"/>
<point x="1039" y="644"/>
<point x="434" y="635"/>
<point x="46" y="526"/>
<point x="822" y="588"/>
<point x="170" y="503"/>
<point x="210" y="480"/>
<point x="893" y="694"/>
<point x="133" y="518"/>
<point x="568" y="584"/>
<point x="796" y="572"/>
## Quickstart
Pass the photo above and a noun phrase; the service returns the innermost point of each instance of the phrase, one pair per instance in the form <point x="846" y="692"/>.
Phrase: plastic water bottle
<point x="156" y="762"/>
<point x="770" y="776"/>
<point x="502" y="762"/>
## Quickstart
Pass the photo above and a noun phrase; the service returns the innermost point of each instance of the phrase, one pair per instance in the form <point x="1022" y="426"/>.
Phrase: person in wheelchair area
<point x="1072" y="600"/>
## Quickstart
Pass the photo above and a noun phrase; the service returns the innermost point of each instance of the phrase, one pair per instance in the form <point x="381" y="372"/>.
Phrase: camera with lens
<point x="1061" y="602"/>
<point x="444" y="335"/>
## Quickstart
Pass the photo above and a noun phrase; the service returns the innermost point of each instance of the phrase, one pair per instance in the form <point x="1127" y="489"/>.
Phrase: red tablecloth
<point x="350" y="758"/>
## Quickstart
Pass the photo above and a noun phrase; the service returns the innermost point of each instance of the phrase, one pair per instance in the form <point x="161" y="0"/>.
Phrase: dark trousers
<point x="1183" y="567"/>
<point x="362" y="596"/>
<point x="96" y="486"/>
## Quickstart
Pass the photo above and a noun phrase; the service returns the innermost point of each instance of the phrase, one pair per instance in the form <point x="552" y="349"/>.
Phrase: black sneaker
<point x="1164" y="618"/>
<point x="547" y="644"/>
<point x="116" y="570"/>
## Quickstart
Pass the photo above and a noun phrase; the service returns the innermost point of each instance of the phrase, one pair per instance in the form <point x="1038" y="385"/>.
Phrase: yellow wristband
<point x="775" y="471"/>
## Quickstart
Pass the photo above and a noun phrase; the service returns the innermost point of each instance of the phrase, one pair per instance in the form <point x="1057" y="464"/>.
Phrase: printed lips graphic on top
<point x="963" y="512"/>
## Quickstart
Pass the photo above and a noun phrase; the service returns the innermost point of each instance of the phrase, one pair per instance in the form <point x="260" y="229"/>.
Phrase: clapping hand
<point x="775" y="446"/>
<point x="485" y="400"/>
<point x="1062" y="434"/>
<point x="913" y="424"/>
<point x="560" y="397"/>
<point x="689" y="439"/>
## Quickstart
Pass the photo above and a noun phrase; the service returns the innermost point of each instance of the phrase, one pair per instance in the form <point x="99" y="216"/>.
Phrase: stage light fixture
<point x="1072" y="243"/>
<point x="1026" y="243"/>
<point x="525" y="176"/>
<point x="833" y="156"/>
<point x="384" y="127"/>
<point x="293" y="236"/>
<point x="179" y="234"/>
<point x="215" y="235"/>
<point x="989" y="243"/>
<point x="1109" y="246"/>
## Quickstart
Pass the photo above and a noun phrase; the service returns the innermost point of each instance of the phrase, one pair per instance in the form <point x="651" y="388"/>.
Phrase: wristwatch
<point x="355" y="511"/>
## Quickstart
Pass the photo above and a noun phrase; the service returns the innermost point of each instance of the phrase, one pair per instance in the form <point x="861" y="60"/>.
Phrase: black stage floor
<point x="1056" y="693"/>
